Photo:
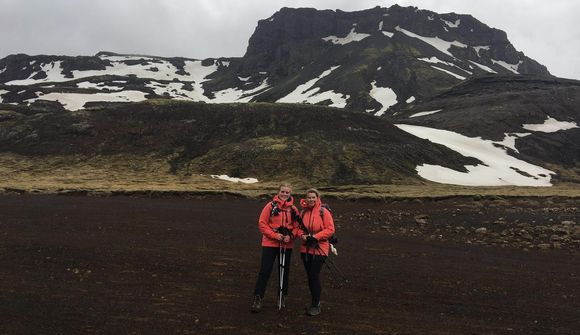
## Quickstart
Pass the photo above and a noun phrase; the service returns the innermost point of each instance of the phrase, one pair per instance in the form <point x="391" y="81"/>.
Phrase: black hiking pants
<point x="269" y="255"/>
<point x="313" y="265"/>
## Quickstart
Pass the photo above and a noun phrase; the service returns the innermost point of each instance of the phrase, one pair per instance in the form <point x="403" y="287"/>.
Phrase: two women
<point x="313" y="227"/>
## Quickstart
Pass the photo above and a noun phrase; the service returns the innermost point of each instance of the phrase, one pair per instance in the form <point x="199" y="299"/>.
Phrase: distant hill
<point x="319" y="144"/>
<point x="533" y="118"/>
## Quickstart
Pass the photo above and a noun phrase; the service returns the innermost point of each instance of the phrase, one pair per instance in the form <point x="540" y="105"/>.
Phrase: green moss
<point x="377" y="52"/>
<point x="169" y="102"/>
<point x="268" y="143"/>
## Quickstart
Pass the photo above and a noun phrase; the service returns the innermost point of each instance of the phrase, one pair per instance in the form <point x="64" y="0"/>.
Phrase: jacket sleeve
<point x="328" y="224"/>
<point x="263" y="225"/>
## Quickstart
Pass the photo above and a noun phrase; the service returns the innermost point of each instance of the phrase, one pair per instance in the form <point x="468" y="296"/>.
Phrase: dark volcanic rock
<point x="290" y="45"/>
<point x="526" y="223"/>
<point x="21" y="66"/>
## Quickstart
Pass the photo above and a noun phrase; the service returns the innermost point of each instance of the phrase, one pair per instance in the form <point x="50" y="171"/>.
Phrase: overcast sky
<point x="547" y="31"/>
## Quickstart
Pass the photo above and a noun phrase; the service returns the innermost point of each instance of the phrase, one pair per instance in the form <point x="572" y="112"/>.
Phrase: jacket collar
<point x="284" y="204"/>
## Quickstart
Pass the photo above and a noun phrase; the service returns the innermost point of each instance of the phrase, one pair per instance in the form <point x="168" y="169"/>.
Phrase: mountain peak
<point x="368" y="60"/>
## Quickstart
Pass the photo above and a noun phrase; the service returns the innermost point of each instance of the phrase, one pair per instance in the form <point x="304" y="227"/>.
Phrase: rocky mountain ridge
<point x="367" y="61"/>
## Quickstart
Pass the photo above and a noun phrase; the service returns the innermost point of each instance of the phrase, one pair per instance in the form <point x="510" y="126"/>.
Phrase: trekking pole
<point x="336" y="270"/>
<point x="332" y="266"/>
<point x="281" y="261"/>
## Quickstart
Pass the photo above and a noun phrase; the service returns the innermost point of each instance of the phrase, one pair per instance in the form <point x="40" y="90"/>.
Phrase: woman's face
<point x="311" y="199"/>
<point x="284" y="193"/>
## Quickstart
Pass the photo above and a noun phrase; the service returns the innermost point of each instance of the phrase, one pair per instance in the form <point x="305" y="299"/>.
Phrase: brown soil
<point x="121" y="265"/>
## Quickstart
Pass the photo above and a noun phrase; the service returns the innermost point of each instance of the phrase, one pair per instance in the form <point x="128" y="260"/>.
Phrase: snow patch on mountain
<point x="500" y="169"/>
<point x="383" y="95"/>
<point x="481" y="47"/>
<point x="511" y="67"/>
<point x="483" y="67"/>
<point x="53" y="71"/>
<point x="147" y="68"/>
<point x="238" y="95"/>
<point x="338" y="100"/>
<point x="435" y="42"/>
<point x="352" y="36"/>
<point x="177" y="91"/>
<point x="99" y="86"/>
<point x="509" y="141"/>
<point x="197" y="71"/>
<point x="76" y="101"/>
<point x="452" y="24"/>
<point x="436" y="60"/>
<point x="550" y="125"/>
<point x="2" y="92"/>
<point x="425" y="113"/>
<point x="306" y="93"/>
<point x="448" y="72"/>
<point x="234" y="179"/>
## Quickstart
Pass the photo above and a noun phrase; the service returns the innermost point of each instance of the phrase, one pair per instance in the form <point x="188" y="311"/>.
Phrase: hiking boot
<point x="313" y="310"/>
<point x="257" y="304"/>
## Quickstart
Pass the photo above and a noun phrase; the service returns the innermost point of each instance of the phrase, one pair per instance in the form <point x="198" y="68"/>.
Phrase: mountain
<point x="367" y="61"/>
<point x="532" y="118"/>
<point x="404" y="95"/>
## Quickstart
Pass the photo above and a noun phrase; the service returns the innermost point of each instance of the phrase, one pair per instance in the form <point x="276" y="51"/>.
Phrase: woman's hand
<point x="311" y="240"/>
<point x="282" y="238"/>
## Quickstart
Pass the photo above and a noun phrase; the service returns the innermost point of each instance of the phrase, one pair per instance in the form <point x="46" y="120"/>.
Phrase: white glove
<point x="333" y="250"/>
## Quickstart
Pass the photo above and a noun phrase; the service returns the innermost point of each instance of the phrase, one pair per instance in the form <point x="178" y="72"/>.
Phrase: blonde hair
<point x="285" y="184"/>
<point x="313" y="190"/>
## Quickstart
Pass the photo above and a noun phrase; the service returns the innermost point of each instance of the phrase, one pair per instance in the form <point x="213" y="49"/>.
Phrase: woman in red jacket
<point x="278" y="230"/>
<point x="317" y="228"/>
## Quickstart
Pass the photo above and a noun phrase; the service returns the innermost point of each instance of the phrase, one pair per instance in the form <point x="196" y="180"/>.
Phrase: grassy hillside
<point x="151" y="176"/>
<point x="169" y="147"/>
<point x="309" y="144"/>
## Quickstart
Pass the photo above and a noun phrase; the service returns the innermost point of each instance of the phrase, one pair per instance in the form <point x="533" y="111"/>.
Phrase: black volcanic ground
<point x="118" y="265"/>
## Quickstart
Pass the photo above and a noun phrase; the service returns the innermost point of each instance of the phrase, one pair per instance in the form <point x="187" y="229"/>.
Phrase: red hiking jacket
<point x="321" y="227"/>
<point x="269" y="223"/>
